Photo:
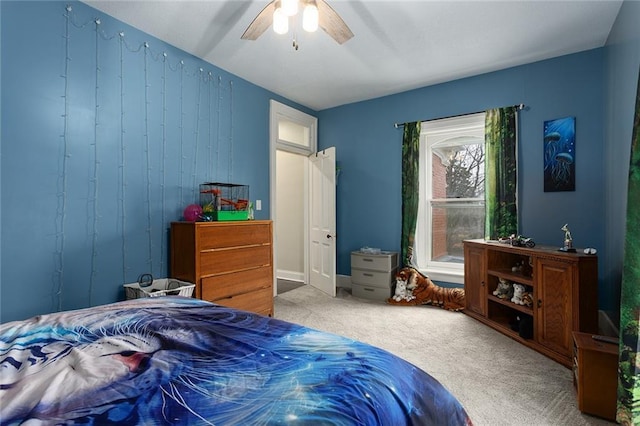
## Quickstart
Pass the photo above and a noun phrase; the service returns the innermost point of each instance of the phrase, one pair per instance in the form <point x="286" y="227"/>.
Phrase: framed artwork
<point x="560" y="154"/>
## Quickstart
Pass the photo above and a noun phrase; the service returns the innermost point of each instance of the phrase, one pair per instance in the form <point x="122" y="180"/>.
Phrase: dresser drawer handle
<point x="225" y="298"/>
<point x="367" y="274"/>
<point x="368" y="289"/>
<point x="367" y="260"/>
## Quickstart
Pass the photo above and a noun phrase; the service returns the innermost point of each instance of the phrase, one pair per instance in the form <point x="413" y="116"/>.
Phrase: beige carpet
<point x="497" y="380"/>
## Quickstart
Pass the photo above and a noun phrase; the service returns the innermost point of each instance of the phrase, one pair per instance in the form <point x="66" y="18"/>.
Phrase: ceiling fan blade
<point x="260" y="23"/>
<point x="332" y="23"/>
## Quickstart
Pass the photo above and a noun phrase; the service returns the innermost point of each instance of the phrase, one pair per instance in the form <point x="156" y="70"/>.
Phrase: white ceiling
<point x="398" y="45"/>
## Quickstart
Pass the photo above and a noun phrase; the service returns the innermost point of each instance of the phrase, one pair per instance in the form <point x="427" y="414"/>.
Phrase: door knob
<point x="329" y="236"/>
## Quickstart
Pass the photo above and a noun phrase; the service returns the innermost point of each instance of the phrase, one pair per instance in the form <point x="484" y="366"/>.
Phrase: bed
<point x="178" y="360"/>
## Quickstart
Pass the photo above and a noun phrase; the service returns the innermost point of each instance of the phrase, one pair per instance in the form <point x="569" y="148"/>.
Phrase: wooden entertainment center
<point x="563" y="285"/>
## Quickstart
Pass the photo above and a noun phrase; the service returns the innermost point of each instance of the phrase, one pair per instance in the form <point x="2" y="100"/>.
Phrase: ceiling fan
<point x="316" y="13"/>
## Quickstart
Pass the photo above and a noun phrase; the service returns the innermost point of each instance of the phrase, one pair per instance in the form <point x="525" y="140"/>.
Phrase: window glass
<point x="452" y="196"/>
<point x="457" y="197"/>
<point x="294" y="133"/>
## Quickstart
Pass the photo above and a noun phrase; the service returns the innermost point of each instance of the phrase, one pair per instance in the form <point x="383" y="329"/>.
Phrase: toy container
<point x="158" y="287"/>
<point x="224" y="201"/>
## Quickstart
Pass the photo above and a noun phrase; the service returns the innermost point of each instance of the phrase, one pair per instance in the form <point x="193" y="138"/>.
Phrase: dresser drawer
<point x="260" y="301"/>
<point x="372" y="278"/>
<point x="232" y="235"/>
<point x="216" y="262"/>
<point x="233" y="283"/>
<point x="372" y="293"/>
<point x="385" y="261"/>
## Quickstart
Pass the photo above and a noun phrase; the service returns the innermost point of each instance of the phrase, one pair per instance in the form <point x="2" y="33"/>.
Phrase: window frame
<point x="438" y="132"/>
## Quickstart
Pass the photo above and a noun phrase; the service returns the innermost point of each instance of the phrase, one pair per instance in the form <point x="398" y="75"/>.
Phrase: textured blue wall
<point x="73" y="231"/>
<point x="369" y="150"/>
<point x="623" y="67"/>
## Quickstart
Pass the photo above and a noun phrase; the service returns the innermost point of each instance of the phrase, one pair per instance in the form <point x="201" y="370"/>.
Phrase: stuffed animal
<point x="521" y="296"/>
<point x="401" y="291"/>
<point x="518" y="289"/>
<point x="422" y="291"/>
<point x="504" y="289"/>
<point x="404" y="289"/>
<point x="523" y="324"/>
<point x="527" y="299"/>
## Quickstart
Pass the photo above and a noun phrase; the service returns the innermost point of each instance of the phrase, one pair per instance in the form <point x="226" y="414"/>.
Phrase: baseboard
<point x="290" y="275"/>
<point x="606" y="327"/>
<point x="343" y="281"/>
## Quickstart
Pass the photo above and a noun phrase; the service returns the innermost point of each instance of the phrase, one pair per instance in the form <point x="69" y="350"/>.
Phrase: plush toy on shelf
<point x="504" y="289"/>
<point x="521" y="296"/>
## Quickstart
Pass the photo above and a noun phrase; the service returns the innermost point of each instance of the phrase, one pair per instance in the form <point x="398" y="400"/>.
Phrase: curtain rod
<point x="518" y="107"/>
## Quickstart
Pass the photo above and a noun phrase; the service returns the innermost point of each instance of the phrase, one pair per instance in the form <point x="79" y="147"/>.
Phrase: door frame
<point x="277" y="111"/>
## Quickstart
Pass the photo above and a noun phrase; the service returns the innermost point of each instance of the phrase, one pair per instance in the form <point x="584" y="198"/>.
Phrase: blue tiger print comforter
<point x="174" y="360"/>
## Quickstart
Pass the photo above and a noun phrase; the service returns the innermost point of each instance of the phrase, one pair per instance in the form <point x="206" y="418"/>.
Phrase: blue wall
<point x="87" y="198"/>
<point x="369" y="151"/>
<point x="623" y="67"/>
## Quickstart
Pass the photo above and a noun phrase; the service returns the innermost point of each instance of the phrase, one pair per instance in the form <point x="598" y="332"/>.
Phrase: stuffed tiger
<point x="424" y="292"/>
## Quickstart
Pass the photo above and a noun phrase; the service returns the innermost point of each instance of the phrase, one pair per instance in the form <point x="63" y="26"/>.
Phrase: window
<point x="293" y="130"/>
<point x="451" y="207"/>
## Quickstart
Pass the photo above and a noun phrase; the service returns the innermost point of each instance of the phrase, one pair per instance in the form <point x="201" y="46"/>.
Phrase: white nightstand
<point x="373" y="275"/>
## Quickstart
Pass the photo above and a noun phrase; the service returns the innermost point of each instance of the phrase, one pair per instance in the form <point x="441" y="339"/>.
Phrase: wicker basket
<point x="159" y="287"/>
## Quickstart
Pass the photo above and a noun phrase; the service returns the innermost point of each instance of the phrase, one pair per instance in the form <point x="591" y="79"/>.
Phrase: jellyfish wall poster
<point x="560" y="154"/>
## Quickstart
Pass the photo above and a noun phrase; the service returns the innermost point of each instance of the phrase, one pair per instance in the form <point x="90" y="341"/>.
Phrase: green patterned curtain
<point x="501" y="173"/>
<point x="629" y="366"/>
<point x="410" y="188"/>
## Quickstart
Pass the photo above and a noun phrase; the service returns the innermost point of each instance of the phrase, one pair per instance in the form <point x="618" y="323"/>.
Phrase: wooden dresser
<point x="231" y="263"/>
<point x="564" y="289"/>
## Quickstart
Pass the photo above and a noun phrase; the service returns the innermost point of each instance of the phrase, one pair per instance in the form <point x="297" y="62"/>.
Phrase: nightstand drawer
<point x="384" y="261"/>
<point x="372" y="293"/>
<point x="372" y="278"/>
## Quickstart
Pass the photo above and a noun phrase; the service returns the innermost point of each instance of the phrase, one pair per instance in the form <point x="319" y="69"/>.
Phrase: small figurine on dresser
<point x="568" y="239"/>
<point x="504" y="289"/>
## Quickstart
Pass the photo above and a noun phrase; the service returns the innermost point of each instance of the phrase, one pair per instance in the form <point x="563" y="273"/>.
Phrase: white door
<point x="322" y="220"/>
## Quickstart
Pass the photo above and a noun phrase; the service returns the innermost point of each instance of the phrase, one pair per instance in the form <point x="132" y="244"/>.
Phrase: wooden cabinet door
<point x="475" y="275"/>
<point x="554" y="293"/>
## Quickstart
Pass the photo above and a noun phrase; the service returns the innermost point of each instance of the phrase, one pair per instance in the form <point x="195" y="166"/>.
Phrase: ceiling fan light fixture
<point x="289" y="7"/>
<point x="280" y="21"/>
<point x="273" y="15"/>
<point x="310" y="17"/>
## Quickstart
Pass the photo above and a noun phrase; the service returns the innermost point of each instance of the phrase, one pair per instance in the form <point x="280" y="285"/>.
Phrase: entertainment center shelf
<point x="563" y="289"/>
<point x="511" y="305"/>
<point x="509" y="275"/>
